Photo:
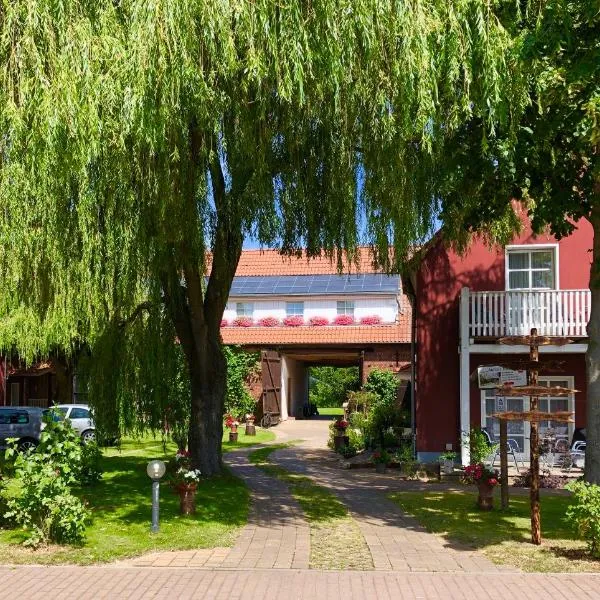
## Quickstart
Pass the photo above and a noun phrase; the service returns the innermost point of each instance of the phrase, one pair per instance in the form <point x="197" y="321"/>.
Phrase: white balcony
<point x="553" y="312"/>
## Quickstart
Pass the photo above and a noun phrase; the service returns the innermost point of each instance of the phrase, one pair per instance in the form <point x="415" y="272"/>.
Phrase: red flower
<point x="318" y="321"/>
<point x="242" y="322"/>
<point x="293" y="321"/>
<point x="344" y="320"/>
<point x="341" y="424"/>
<point x="224" y="322"/>
<point x="371" y="320"/>
<point x="268" y="322"/>
<point x="493" y="481"/>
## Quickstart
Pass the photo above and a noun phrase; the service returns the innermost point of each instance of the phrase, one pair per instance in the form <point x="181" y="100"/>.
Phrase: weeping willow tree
<point x="144" y="140"/>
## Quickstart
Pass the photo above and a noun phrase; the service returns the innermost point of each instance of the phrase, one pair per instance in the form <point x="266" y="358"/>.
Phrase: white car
<point x="81" y="419"/>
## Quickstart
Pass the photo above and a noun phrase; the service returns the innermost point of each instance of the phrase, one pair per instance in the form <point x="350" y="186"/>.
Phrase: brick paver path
<point x="276" y="537"/>
<point x="48" y="583"/>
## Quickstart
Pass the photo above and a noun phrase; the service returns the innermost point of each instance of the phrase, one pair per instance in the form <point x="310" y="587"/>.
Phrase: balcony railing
<point x="553" y="312"/>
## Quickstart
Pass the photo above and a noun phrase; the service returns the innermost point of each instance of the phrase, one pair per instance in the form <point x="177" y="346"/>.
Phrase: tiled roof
<point x="271" y="262"/>
<point x="397" y="333"/>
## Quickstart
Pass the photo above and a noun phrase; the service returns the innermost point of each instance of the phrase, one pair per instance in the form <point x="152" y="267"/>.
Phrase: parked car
<point x="80" y="417"/>
<point x="23" y="423"/>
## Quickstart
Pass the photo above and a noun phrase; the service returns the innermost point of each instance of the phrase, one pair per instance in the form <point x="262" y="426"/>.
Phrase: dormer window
<point x="531" y="268"/>
<point x="244" y="309"/>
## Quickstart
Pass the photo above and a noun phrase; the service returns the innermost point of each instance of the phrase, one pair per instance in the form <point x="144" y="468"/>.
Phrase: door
<point x="271" y="378"/>
<point x="15" y="394"/>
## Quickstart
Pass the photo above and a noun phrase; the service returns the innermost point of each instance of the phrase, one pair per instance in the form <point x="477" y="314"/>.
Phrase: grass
<point x="504" y="536"/>
<point x="331" y="412"/>
<point x="335" y="539"/>
<point x="262" y="436"/>
<point x="120" y="506"/>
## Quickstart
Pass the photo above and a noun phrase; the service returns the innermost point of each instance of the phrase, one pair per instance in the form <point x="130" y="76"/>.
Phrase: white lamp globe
<point x="156" y="469"/>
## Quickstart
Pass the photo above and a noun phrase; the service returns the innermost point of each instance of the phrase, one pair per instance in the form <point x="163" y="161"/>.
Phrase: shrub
<point x="44" y="504"/>
<point x="268" y="322"/>
<point x="371" y="320"/>
<point x="330" y="385"/>
<point x="318" y="321"/>
<point x="344" y="320"/>
<point x="547" y="480"/>
<point x="242" y="322"/>
<point x="584" y="513"/>
<point x="348" y="451"/>
<point x="293" y="321"/>
<point x="91" y="467"/>
<point x="384" y="384"/>
<point x="479" y="446"/>
<point x="240" y="367"/>
<point x="405" y="453"/>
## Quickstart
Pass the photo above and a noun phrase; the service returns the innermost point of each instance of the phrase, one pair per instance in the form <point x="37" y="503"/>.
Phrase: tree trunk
<point x="592" y="452"/>
<point x="208" y="377"/>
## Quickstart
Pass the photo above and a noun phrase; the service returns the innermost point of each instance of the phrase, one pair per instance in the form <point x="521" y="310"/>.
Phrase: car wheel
<point x="27" y="445"/>
<point x="88" y="436"/>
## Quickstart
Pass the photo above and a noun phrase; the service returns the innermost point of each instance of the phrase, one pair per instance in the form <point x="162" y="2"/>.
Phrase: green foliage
<point x="584" y="513"/>
<point x="480" y="450"/>
<point x="240" y="366"/>
<point x="329" y="386"/>
<point x="384" y="384"/>
<point x="44" y="504"/>
<point x="91" y="464"/>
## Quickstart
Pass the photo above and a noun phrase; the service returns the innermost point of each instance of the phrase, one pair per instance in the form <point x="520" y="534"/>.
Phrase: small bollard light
<point x="155" y="469"/>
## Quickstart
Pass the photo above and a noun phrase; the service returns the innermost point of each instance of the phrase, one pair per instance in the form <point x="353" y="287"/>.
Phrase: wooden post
<point x="534" y="450"/>
<point x="503" y="464"/>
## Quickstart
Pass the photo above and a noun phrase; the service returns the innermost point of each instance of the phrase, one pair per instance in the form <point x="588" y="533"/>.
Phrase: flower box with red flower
<point x="318" y="321"/>
<point x="341" y="425"/>
<point x="269" y="322"/>
<point x="242" y="322"/>
<point x="371" y="320"/>
<point x="224" y="323"/>
<point x="293" y="321"/>
<point x="344" y="320"/>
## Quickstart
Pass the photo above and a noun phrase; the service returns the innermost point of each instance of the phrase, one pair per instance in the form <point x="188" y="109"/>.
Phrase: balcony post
<point x="464" y="391"/>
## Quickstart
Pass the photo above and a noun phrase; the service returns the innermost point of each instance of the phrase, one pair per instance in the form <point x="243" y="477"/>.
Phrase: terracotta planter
<point x="233" y="435"/>
<point x="234" y="428"/>
<point x="250" y="429"/>
<point x="187" y="498"/>
<point x="485" y="501"/>
<point x="380" y="467"/>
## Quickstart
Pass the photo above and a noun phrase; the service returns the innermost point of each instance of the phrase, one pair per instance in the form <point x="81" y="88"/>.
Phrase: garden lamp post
<point x="155" y="469"/>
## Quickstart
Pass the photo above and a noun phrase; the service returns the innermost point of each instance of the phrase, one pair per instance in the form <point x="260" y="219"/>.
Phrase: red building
<point x="465" y="303"/>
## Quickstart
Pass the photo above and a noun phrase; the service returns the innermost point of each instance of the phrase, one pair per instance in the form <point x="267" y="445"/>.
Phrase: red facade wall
<point x="440" y="277"/>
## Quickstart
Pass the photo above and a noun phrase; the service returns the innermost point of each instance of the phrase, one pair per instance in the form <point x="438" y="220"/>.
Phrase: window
<point x="531" y="269"/>
<point x="13" y="417"/>
<point x="345" y="307"/>
<point x="244" y="309"/>
<point x="79" y="413"/>
<point x="294" y="308"/>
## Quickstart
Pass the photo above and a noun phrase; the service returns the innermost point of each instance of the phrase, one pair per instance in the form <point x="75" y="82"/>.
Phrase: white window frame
<point x="570" y="379"/>
<point x="515" y="248"/>
<point x="291" y="306"/>
<point x="244" y="309"/>
<point x="348" y="307"/>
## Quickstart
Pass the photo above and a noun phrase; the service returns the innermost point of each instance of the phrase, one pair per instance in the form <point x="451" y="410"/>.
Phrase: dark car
<point x="21" y="422"/>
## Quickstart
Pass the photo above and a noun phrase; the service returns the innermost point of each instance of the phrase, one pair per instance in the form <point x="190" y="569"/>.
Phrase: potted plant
<point x="340" y="439"/>
<point x="250" y="427"/>
<point x="185" y="482"/>
<point x="486" y="480"/>
<point x="381" y="459"/>
<point x="232" y="423"/>
<point x="447" y="462"/>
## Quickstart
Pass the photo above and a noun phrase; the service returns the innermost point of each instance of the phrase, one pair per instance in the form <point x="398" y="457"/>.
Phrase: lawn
<point x="502" y="536"/>
<point x="336" y="541"/>
<point x="120" y="506"/>
<point x="331" y="412"/>
<point x="262" y="436"/>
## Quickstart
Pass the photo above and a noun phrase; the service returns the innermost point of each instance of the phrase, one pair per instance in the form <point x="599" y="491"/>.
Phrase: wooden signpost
<point x="534" y="416"/>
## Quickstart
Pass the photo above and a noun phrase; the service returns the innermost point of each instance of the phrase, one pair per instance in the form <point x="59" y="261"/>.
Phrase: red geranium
<point x="479" y="473"/>
<point x="224" y="322"/>
<point x="230" y="421"/>
<point x="293" y="321"/>
<point x="319" y="321"/>
<point x="268" y="322"/>
<point x="341" y="424"/>
<point x="344" y="320"/>
<point x="371" y="320"/>
<point x="242" y="322"/>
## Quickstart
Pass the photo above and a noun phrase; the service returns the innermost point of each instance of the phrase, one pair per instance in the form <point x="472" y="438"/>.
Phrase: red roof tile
<point x="271" y="262"/>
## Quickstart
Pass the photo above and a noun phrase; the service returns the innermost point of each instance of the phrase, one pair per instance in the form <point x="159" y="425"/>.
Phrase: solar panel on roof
<point x="306" y="285"/>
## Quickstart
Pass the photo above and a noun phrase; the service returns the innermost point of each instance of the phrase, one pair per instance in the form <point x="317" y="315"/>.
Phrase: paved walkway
<point x="82" y="583"/>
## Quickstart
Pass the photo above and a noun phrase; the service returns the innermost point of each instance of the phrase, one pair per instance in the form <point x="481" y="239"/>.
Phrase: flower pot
<point x="233" y="435"/>
<point x="187" y="498"/>
<point x="250" y="429"/>
<point x="340" y="441"/>
<point x="485" y="501"/>
<point x="234" y="428"/>
<point x="447" y="466"/>
<point x="380" y="467"/>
